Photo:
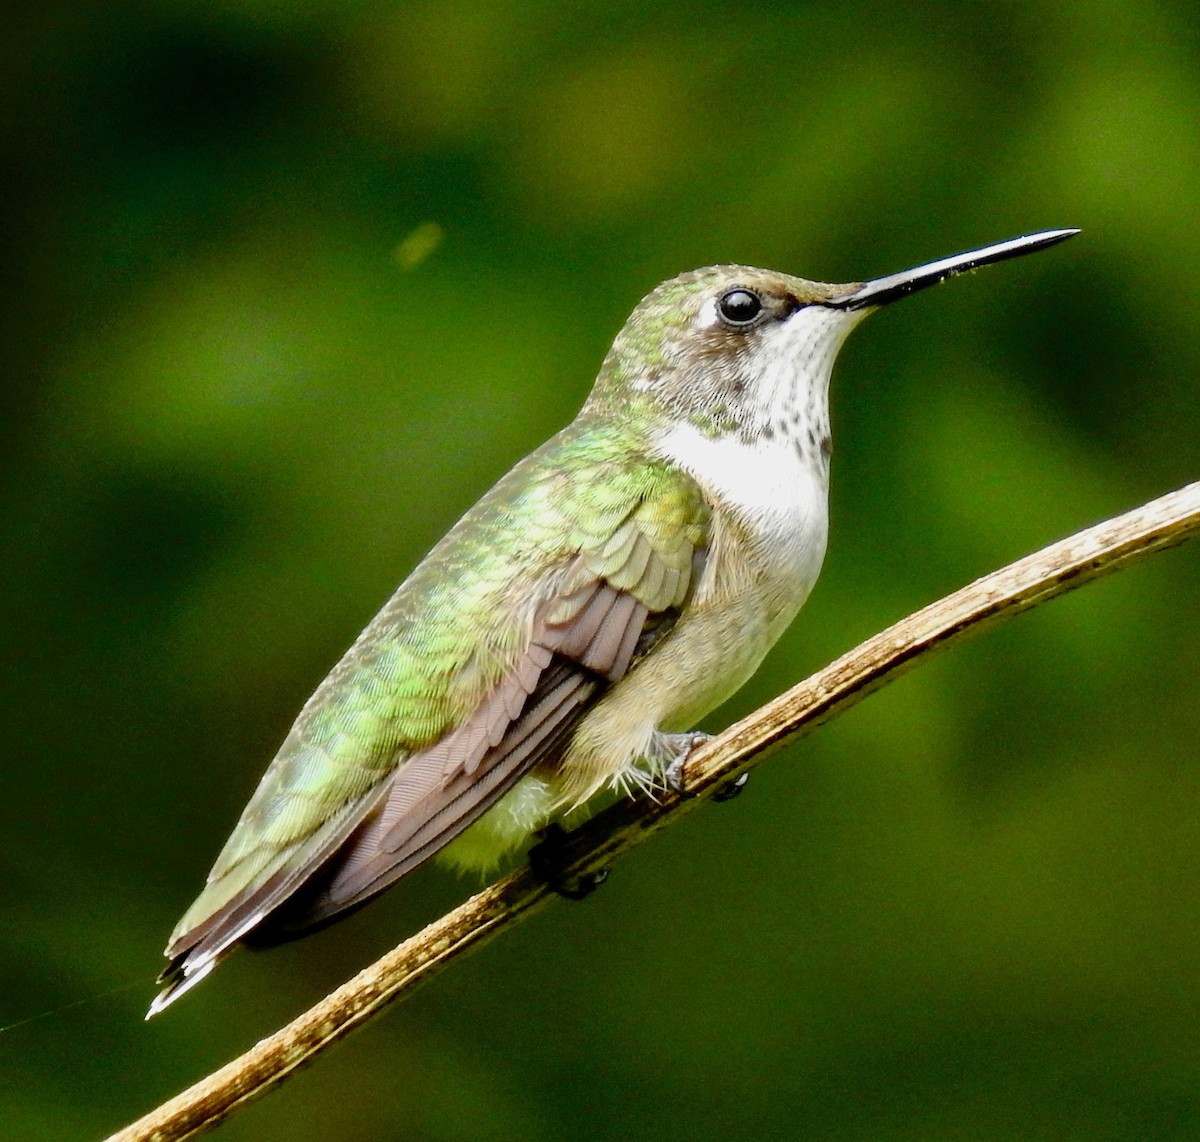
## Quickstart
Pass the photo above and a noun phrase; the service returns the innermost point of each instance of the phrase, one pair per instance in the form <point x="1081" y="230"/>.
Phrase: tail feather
<point x="195" y="952"/>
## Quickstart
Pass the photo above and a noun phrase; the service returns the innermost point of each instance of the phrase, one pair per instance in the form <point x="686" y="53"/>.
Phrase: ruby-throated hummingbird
<point x="617" y="585"/>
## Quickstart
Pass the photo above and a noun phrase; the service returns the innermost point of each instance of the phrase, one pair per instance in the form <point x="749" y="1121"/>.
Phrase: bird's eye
<point x="739" y="306"/>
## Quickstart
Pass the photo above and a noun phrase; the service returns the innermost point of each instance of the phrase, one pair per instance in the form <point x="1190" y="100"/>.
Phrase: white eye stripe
<point x="708" y="315"/>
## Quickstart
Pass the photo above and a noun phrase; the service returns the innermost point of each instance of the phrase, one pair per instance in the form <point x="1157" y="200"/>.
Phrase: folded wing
<point x="606" y="604"/>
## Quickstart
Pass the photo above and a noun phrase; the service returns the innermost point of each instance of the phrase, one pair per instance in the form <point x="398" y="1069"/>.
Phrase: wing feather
<point x="378" y="860"/>
<point x="400" y="803"/>
<point x="422" y="813"/>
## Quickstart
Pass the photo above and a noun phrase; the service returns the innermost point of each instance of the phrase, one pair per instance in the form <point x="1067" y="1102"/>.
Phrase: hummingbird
<point x="564" y="637"/>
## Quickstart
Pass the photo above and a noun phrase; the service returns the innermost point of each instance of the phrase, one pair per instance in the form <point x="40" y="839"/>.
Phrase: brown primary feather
<point x="439" y="792"/>
<point x="436" y="794"/>
<point x="606" y="607"/>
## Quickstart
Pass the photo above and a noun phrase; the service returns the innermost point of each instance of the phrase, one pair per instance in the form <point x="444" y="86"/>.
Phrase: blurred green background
<point x="246" y="386"/>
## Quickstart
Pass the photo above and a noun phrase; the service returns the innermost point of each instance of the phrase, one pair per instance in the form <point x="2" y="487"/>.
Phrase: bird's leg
<point x="547" y="857"/>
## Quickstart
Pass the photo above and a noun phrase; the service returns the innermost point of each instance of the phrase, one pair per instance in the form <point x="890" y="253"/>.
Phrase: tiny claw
<point x="731" y="789"/>
<point x="546" y="861"/>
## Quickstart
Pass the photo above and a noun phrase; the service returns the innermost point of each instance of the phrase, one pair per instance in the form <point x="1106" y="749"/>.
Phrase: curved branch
<point x="1106" y="547"/>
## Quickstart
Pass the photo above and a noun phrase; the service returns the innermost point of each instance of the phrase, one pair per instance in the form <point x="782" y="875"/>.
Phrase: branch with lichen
<point x="592" y="848"/>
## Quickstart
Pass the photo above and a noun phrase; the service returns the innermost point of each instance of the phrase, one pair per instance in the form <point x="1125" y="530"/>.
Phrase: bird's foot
<point x="547" y="858"/>
<point x="676" y="749"/>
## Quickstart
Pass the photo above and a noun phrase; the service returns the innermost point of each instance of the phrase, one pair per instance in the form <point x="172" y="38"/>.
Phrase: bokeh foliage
<point x="288" y="284"/>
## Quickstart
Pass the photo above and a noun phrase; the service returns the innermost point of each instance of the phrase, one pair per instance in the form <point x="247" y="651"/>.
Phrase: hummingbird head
<point x="734" y="350"/>
<point x="730" y="349"/>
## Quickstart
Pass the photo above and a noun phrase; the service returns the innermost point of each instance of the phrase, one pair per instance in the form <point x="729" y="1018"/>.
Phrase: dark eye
<point x="740" y="306"/>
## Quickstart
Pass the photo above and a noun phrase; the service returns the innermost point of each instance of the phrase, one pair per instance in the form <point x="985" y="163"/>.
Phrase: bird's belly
<point x="505" y="827"/>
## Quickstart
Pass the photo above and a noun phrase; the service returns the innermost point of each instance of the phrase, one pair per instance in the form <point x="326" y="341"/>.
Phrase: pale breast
<point x="776" y="496"/>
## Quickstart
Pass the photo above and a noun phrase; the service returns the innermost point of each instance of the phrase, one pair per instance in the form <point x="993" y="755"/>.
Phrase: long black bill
<point x="881" y="291"/>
